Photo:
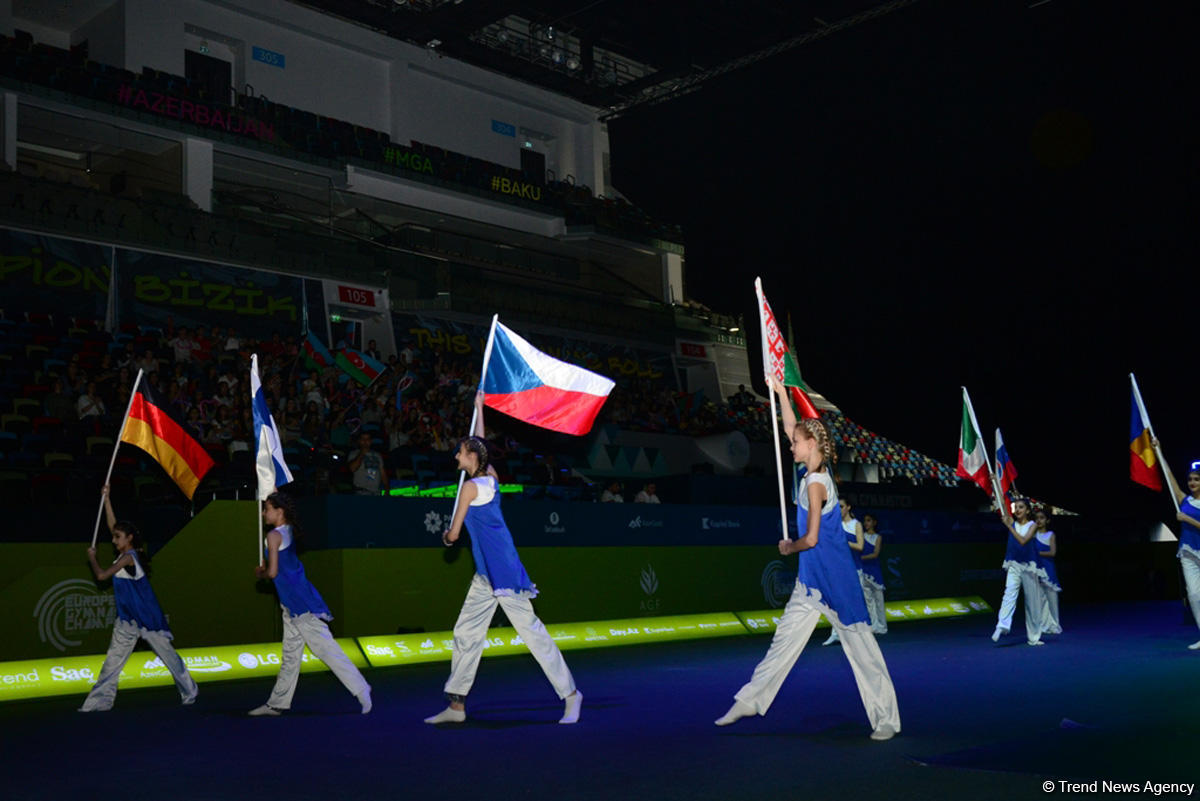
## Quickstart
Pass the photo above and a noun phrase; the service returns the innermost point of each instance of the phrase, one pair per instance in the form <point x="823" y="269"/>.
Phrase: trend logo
<point x="649" y="580"/>
<point x="72" y="607"/>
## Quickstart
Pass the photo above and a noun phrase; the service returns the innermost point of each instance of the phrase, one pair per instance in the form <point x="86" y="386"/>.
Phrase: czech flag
<point x="527" y="384"/>
<point x="1143" y="464"/>
<point x="269" y="464"/>
<point x="1006" y="473"/>
<point x="151" y="427"/>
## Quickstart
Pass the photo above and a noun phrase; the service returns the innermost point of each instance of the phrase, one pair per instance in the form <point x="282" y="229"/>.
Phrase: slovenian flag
<point x="1006" y="473"/>
<point x="1143" y="462"/>
<point x="152" y="427"/>
<point x="359" y="366"/>
<point x="315" y="352"/>
<point x="527" y="384"/>
<point x="269" y="463"/>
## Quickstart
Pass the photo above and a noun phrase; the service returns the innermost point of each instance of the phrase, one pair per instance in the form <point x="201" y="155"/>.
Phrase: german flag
<point x="159" y="433"/>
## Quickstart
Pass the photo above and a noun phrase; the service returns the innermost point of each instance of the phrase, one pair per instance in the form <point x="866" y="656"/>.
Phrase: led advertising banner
<point x="405" y="649"/>
<point x="76" y="674"/>
<point x="764" y="621"/>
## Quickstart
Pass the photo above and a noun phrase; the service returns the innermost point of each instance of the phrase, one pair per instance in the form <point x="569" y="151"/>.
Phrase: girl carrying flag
<point x="1189" y="536"/>
<point x="500" y="579"/>
<point x="138" y="616"/>
<point x="1021" y="567"/>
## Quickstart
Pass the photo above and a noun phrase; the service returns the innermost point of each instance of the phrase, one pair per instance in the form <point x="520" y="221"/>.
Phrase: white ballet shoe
<point x="833" y="637"/>
<point x="998" y="633"/>
<point x="1194" y="646"/>
<point x="448" y="715"/>
<point x="264" y="710"/>
<point x="735" y="713"/>
<point x="883" y="733"/>
<point x="365" y="700"/>
<point x="571" y="711"/>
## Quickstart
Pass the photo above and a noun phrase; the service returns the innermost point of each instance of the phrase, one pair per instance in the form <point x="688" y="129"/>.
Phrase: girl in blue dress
<point x="138" y="616"/>
<point x="826" y="584"/>
<point x="854" y="539"/>
<point x="1021" y="566"/>
<point x="500" y="579"/>
<point x="304" y="614"/>
<point x="1189" y="537"/>
<point x="872" y="574"/>
<point x="1047" y="548"/>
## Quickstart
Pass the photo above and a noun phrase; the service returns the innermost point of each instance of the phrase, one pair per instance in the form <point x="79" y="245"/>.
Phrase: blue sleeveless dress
<point x="871" y="567"/>
<point x="136" y="602"/>
<point x="851" y="529"/>
<point x="826" y="572"/>
<point x="1046" y="569"/>
<point x="1189" y="535"/>
<point x="296" y="592"/>
<point x="1023" y="557"/>
<point x="492" y="546"/>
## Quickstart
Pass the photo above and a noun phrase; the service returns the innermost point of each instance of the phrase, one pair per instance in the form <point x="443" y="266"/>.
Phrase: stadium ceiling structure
<point x="616" y="55"/>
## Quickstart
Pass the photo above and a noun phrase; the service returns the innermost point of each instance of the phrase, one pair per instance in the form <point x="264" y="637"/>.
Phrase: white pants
<point x="1050" y="621"/>
<point x="800" y="617"/>
<point x="471" y="628"/>
<point x="873" y="595"/>
<point x="124" y="638"/>
<point x="1191" y="580"/>
<point x="1019" y="580"/>
<point x="308" y="629"/>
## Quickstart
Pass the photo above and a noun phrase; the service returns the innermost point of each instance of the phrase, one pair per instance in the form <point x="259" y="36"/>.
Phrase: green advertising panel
<point x="764" y="621"/>
<point x="68" y="675"/>
<point x="407" y="649"/>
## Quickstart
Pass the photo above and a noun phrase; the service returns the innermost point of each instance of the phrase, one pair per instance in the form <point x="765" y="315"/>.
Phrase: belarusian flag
<point x="972" y="459"/>
<point x="778" y="360"/>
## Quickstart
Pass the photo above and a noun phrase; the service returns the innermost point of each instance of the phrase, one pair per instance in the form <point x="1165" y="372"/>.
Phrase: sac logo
<point x="72" y="608"/>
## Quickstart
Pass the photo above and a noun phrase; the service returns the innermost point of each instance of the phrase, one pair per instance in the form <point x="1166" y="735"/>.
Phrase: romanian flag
<point x="159" y="433"/>
<point x="778" y="359"/>
<point x="1143" y="462"/>
<point x="529" y="385"/>
<point x="315" y="352"/>
<point x="359" y="366"/>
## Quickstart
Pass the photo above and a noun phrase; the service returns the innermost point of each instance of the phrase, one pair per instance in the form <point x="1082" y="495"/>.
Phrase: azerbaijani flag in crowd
<point x="972" y="461"/>
<point x="1143" y="462"/>
<point x="154" y="429"/>
<point x="315" y="352"/>
<point x="529" y="385"/>
<point x="1006" y="473"/>
<point x="269" y="464"/>
<point x="359" y="366"/>
<point x="778" y="360"/>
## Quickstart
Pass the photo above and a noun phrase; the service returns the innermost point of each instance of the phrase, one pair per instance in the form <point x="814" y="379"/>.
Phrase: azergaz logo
<point x="777" y="583"/>
<point x="553" y="524"/>
<point x="71" y="608"/>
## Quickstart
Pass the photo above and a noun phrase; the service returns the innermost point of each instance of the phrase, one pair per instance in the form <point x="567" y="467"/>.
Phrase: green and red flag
<point x="778" y="360"/>
<point x="972" y="458"/>
<point x="153" y="428"/>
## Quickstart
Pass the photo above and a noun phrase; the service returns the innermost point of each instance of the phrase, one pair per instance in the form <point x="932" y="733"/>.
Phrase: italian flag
<point x="972" y="458"/>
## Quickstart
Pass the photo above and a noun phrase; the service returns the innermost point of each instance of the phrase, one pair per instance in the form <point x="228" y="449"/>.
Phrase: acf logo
<point x="777" y="583"/>
<point x="72" y="608"/>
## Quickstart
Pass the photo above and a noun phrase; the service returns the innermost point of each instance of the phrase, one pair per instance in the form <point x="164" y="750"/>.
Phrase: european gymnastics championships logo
<point x="70" y="608"/>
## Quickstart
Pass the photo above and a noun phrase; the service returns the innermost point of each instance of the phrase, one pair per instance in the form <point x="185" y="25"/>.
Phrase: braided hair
<point x="814" y="428"/>
<point x="478" y="447"/>
<point x="285" y="502"/>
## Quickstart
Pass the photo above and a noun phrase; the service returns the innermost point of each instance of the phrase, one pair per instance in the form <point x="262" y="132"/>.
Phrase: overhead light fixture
<point x="734" y="330"/>
<point x="432" y="43"/>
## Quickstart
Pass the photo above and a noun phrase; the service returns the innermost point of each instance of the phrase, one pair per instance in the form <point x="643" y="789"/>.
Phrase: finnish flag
<point x="269" y="463"/>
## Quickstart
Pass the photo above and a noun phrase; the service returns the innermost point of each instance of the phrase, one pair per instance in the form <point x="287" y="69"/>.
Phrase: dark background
<point x="973" y="193"/>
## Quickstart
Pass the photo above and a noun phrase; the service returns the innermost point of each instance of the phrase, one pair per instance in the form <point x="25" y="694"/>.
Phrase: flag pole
<point x="487" y="357"/>
<point x="112" y="461"/>
<point x="769" y="374"/>
<point x="1137" y="396"/>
